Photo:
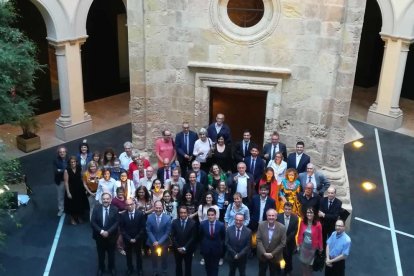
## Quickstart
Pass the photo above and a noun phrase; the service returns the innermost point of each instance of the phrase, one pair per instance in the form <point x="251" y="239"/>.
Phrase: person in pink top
<point x="165" y="148"/>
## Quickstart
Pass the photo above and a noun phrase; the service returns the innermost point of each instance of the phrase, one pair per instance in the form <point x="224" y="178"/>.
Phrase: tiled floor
<point x="118" y="114"/>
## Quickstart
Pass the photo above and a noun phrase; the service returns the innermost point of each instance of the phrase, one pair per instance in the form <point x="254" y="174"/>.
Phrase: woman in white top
<point x="202" y="149"/>
<point x="279" y="166"/>
<point x="127" y="184"/>
<point x="207" y="202"/>
<point x="106" y="184"/>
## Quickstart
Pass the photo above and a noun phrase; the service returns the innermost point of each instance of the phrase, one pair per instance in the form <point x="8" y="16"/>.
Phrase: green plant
<point x="29" y="126"/>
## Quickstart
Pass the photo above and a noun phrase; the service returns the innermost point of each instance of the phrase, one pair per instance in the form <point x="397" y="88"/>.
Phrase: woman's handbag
<point x="318" y="261"/>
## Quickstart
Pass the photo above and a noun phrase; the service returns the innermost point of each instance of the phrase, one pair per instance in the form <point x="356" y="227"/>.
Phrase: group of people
<point x="207" y="190"/>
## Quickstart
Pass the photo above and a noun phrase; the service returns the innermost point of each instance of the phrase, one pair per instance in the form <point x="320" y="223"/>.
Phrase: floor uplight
<point x="368" y="186"/>
<point x="357" y="144"/>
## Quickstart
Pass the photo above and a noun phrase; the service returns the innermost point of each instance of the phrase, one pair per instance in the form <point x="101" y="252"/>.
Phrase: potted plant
<point x="28" y="141"/>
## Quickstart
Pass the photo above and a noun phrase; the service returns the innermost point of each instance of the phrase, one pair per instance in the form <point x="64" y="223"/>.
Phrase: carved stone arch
<point x="81" y="17"/>
<point x="387" y="12"/>
<point x="406" y="22"/>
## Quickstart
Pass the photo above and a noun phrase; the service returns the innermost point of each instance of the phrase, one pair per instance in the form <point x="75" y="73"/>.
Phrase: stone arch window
<point x="245" y="13"/>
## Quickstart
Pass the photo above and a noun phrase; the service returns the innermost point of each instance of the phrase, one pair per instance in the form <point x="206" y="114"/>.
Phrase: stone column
<point x="73" y="121"/>
<point x="385" y="112"/>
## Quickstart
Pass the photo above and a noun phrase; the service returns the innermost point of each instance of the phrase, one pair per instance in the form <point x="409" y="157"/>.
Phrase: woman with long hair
<point x="90" y="183"/>
<point x="170" y="206"/>
<point x="215" y="176"/>
<point x="309" y="239"/>
<point x="269" y="179"/>
<point x="289" y="190"/>
<point x="223" y="197"/>
<point x="143" y="200"/>
<point x="108" y="158"/>
<point x="127" y="184"/>
<point x="189" y="202"/>
<point x="157" y="191"/>
<point x="222" y="154"/>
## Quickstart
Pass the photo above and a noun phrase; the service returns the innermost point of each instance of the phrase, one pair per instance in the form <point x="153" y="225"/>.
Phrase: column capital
<point x="63" y="42"/>
<point x="405" y="40"/>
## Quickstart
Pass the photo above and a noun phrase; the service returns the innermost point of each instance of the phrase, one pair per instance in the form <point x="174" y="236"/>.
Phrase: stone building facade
<point x="303" y="53"/>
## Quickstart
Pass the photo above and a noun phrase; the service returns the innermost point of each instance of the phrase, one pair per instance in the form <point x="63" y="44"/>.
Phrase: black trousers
<point x="179" y="258"/>
<point x="273" y="267"/>
<point x="237" y="264"/>
<point x="130" y="249"/>
<point x="287" y="256"/>
<point x="211" y="264"/>
<point x="337" y="269"/>
<point x="106" y="246"/>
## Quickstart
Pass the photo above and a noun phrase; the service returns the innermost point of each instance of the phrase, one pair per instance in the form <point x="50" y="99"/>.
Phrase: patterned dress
<point x="290" y="191"/>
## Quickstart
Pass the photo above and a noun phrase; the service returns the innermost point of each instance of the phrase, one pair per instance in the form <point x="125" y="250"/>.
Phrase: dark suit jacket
<point x="199" y="191"/>
<point x="291" y="231"/>
<point x="308" y="203"/>
<point x="238" y="155"/>
<point x="255" y="207"/>
<point x="331" y="214"/>
<point x="158" y="233"/>
<point x="132" y="229"/>
<point x="232" y="185"/>
<point x="322" y="183"/>
<point x="160" y="174"/>
<point x="181" y="147"/>
<point x="275" y="246"/>
<point x="97" y="222"/>
<point x="304" y="161"/>
<point x="225" y="131"/>
<point x="235" y="246"/>
<point x="267" y="149"/>
<point x="258" y="168"/>
<point x="203" y="177"/>
<point x="184" y="238"/>
<point x="212" y="245"/>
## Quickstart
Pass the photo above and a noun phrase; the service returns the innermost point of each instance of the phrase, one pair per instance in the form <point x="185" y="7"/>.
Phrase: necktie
<point x="330" y="203"/>
<point x="211" y="229"/>
<point x="158" y="220"/>
<point x="194" y="190"/>
<point x="310" y="178"/>
<point x="186" y="143"/>
<point x="183" y="224"/>
<point x="246" y="148"/>
<point x="274" y="152"/>
<point x="106" y="216"/>
<point x="253" y="164"/>
<point x="167" y="174"/>
<point x="286" y="222"/>
<point x="238" y="233"/>
<point x="131" y="216"/>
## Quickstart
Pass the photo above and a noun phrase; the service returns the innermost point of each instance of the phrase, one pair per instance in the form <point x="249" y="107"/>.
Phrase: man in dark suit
<point x="184" y="144"/>
<point x="290" y="221"/>
<point x="219" y="127"/>
<point x="298" y="160"/>
<point x="254" y="164"/>
<point x="201" y="175"/>
<point x="271" y="239"/>
<point x="242" y="182"/>
<point x="164" y="172"/>
<point x="212" y="234"/>
<point x="132" y="224"/>
<point x="238" y="239"/>
<point x="329" y="209"/>
<point x="257" y="213"/>
<point x="270" y="149"/>
<point x="183" y="234"/>
<point x="158" y="230"/>
<point x="194" y="187"/>
<point x="242" y="148"/>
<point x="104" y="222"/>
<point x="319" y="181"/>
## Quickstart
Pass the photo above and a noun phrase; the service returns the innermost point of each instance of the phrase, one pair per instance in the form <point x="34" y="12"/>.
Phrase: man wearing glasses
<point x="319" y="181"/>
<point x="337" y="250"/>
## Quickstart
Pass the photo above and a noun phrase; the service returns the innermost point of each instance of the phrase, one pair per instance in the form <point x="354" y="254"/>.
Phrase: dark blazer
<point x="274" y="246"/>
<point x="97" y="222"/>
<point x="255" y="207"/>
<point x="132" y="229"/>
<point x="322" y="183"/>
<point x="160" y="174"/>
<point x="235" y="246"/>
<point x="225" y="131"/>
<point x="181" y="147"/>
<point x="199" y="191"/>
<point x="59" y="166"/>
<point x="238" y="155"/>
<point x="267" y="149"/>
<point x="203" y="177"/>
<point x="331" y="214"/>
<point x="184" y="238"/>
<point x="291" y="231"/>
<point x="158" y="233"/>
<point x="212" y="245"/>
<point x="307" y="203"/>
<point x="258" y="168"/>
<point x="304" y="161"/>
<point x="232" y="185"/>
